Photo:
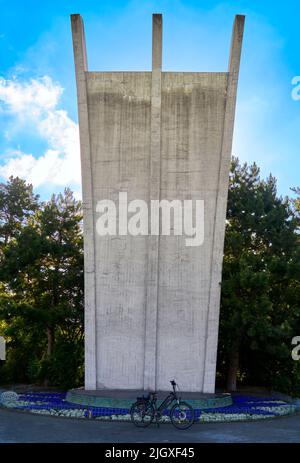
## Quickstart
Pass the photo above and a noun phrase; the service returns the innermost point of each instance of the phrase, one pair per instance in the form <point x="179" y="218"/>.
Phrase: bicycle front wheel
<point x="142" y="414"/>
<point x="182" y="415"/>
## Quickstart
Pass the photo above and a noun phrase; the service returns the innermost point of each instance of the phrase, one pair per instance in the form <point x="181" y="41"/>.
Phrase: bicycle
<point x="145" y="409"/>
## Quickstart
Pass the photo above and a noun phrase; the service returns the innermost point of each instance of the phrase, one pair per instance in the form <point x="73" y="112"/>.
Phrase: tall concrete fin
<point x="156" y="41"/>
<point x="221" y="205"/>
<point x="154" y="194"/>
<point x="80" y="59"/>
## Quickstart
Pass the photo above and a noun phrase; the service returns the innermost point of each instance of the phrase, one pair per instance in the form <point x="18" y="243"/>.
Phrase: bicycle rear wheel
<point x="182" y="415"/>
<point x="142" y="414"/>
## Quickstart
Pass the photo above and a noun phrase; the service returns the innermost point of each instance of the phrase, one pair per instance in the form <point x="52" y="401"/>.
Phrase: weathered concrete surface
<point x="193" y="106"/>
<point x="151" y="302"/>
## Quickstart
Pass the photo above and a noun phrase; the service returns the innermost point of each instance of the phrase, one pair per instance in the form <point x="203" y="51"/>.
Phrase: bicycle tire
<point x="182" y="415"/>
<point x="141" y="410"/>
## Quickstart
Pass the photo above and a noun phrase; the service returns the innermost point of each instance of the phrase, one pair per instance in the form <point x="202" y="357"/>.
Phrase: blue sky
<point x="38" y="113"/>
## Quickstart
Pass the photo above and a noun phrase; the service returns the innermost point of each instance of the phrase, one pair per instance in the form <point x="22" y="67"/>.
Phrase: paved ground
<point x="26" y="427"/>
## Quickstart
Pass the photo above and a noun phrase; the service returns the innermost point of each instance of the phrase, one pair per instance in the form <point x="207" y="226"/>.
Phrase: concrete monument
<point x="152" y="301"/>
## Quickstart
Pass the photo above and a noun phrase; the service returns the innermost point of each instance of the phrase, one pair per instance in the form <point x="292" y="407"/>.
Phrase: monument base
<point x="125" y="398"/>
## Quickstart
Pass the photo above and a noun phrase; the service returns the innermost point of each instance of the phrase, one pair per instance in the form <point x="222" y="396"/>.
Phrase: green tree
<point x="42" y="270"/>
<point x="17" y="204"/>
<point x="260" y="250"/>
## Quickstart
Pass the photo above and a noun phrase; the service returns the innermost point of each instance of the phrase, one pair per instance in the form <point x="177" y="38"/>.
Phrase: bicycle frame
<point x="171" y="397"/>
<point x="166" y="402"/>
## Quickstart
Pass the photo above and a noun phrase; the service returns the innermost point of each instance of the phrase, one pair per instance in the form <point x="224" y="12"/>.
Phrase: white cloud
<point x="35" y="102"/>
<point x="30" y="98"/>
